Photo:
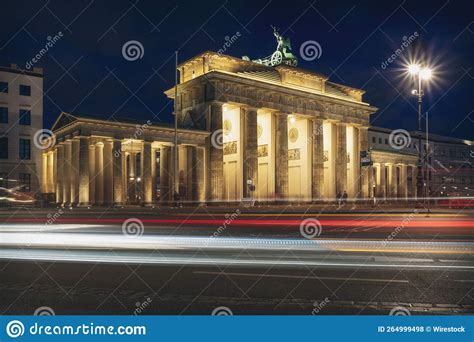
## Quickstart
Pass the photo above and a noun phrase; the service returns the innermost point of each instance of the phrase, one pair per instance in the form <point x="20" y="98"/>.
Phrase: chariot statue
<point x="282" y="54"/>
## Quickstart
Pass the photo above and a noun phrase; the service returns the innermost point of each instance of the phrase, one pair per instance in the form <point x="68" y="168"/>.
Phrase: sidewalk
<point x="276" y="209"/>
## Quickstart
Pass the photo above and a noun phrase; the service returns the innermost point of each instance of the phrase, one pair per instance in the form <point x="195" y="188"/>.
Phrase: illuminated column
<point x="250" y="146"/>
<point x="67" y="175"/>
<point x="199" y="164"/>
<point x="108" y="165"/>
<point x="392" y="181"/>
<point x="132" y="177"/>
<point x="99" y="173"/>
<point x="153" y="175"/>
<point x="92" y="174"/>
<point x="147" y="183"/>
<point x="44" y="172"/>
<point x="403" y="182"/>
<point x="75" y="171"/>
<point x="165" y="175"/>
<point x="281" y="155"/>
<point x="50" y="172"/>
<point x="364" y="176"/>
<point x="341" y="158"/>
<point x="118" y="166"/>
<point x="414" y="173"/>
<point x="355" y="166"/>
<point x="318" y="159"/>
<point x="381" y="181"/>
<point x="216" y="153"/>
<point x="84" y="171"/>
<point x="59" y="173"/>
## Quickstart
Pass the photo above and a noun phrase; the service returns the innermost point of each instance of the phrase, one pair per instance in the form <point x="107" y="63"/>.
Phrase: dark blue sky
<point x="85" y="71"/>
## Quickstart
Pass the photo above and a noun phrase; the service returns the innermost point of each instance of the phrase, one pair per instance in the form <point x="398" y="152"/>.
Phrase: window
<point x="373" y="140"/>
<point x="25" y="152"/>
<point x="25" y="90"/>
<point x="4" y="148"/>
<point x="3" y="114"/>
<point x="25" y="117"/>
<point x="3" y="87"/>
<point x="25" y="181"/>
<point x="386" y="141"/>
<point x="380" y="140"/>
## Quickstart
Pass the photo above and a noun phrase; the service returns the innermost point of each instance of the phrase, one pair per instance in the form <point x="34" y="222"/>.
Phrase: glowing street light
<point x="414" y="69"/>
<point x="421" y="74"/>
<point x="425" y="74"/>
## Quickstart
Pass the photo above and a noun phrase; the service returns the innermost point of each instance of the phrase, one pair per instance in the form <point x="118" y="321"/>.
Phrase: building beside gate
<point x="450" y="164"/>
<point x="21" y="117"/>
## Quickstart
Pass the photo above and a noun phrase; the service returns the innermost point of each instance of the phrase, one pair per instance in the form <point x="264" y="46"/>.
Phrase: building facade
<point x="21" y="117"/>
<point x="394" y="166"/>
<point x="449" y="167"/>
<point x="98" y="162"/>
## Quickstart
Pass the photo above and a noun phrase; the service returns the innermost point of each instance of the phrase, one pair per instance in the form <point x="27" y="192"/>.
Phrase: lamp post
<point x="175" y="144"/>
<point x="420" y="74"/>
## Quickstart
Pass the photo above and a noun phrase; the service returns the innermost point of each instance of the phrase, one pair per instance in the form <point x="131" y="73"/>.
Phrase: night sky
<point x="85" y="71"/>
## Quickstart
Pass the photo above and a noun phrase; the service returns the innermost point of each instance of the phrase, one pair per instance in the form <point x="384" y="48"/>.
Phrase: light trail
<point x="161" y="242"/>
<point x="103" y="257"/>
<point x="459" y="224"/>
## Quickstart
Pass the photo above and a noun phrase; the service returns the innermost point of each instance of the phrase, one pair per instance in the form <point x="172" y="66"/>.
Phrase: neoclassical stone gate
<point x="315" y="132"/>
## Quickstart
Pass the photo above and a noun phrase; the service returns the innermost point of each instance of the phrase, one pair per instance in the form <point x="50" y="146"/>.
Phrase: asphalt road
<point x="84" y="262"/>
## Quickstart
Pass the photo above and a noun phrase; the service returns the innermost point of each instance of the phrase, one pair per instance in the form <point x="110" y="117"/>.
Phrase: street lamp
<point x="421" y="74"/>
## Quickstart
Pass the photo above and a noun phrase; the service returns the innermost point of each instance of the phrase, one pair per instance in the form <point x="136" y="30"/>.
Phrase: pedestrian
<point x="344" y="197"/>
<point x="339" y="199"/>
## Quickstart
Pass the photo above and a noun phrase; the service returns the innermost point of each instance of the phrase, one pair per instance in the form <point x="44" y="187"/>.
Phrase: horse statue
<point x="282" y="54"/>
